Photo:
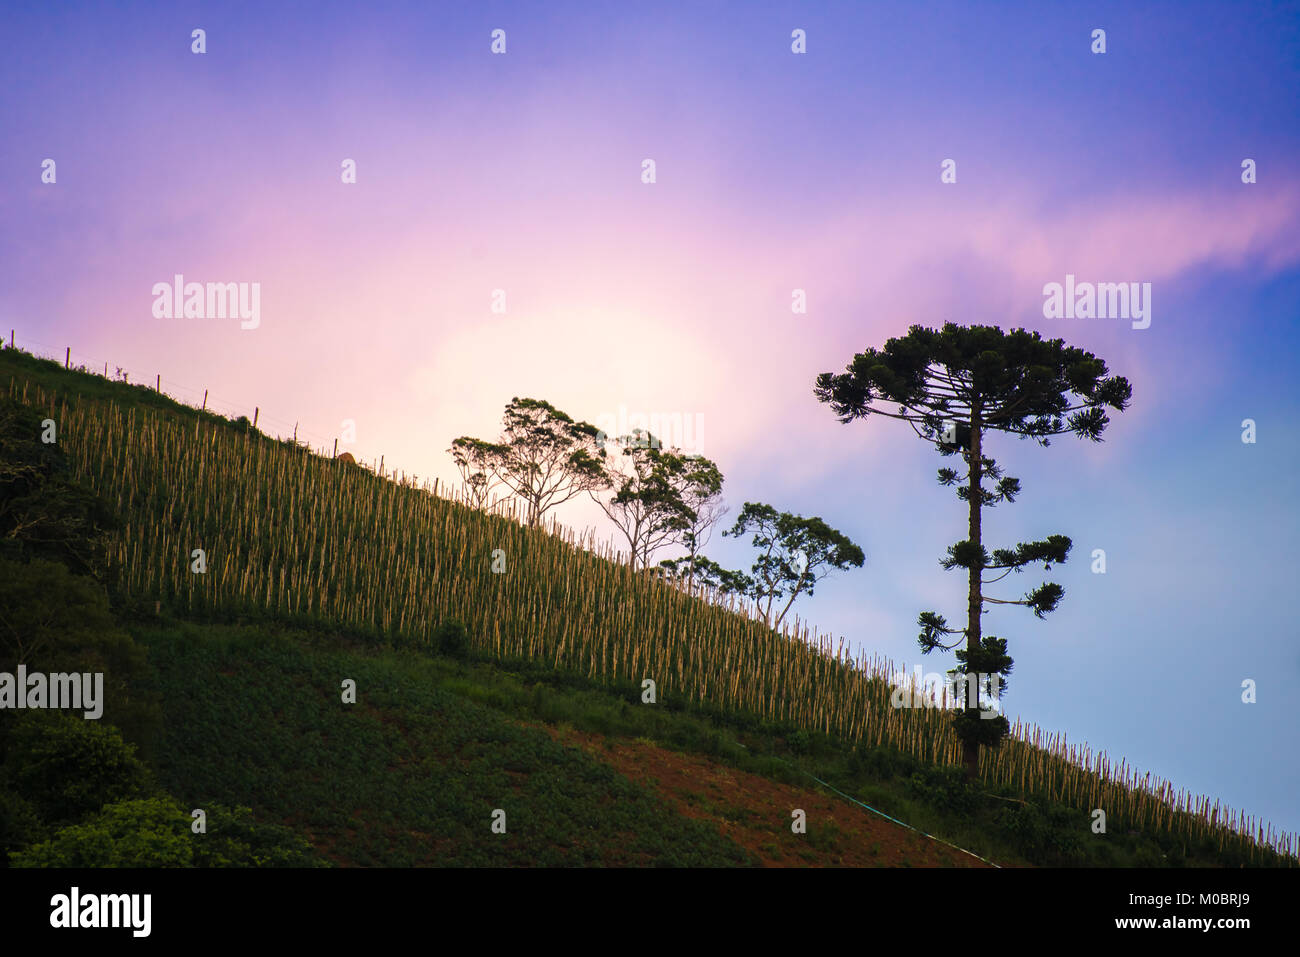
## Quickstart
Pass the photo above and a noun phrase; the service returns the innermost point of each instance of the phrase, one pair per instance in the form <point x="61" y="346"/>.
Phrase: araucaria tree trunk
<point x="975" y="598"/>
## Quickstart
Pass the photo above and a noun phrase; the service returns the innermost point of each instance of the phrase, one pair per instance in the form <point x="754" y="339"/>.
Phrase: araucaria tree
<point x="543" y="456"/>
<point x="954" y="387"/>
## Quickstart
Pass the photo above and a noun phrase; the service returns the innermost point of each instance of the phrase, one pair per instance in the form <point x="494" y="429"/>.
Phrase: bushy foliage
<point x="1050" y="836"/>
<point x="451" y="639"/>
<point x="945" y="788"/>
<point x="235" y="838"/>
<point x="68" y="767"/>
<point x="799" y="742"/>
<point x="19" y="822"/>
<point x="43" y="512"/>
<point x="157" y="832"/>
<point x="149" y="832"/>
<point x="55" y="621"/>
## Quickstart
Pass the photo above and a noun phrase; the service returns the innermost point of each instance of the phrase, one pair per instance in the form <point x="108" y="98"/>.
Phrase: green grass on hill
<point x="408" y="775"/>
<point x="433" y="746"/>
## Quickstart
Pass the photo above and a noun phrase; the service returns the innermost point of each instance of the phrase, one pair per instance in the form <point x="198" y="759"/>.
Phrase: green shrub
<point x="44" y="513"/>
<point x="883" y="763"/>
<point x="944" y="788"/>
<point x="157" y="832"/>
<point x="55" y="621"/>
<point x="451" y="639"/>
<point x="1051" y="836"/>
<point x="68" y="767"/>
<point x="235" y="839"/>
<point x="151" y="832"/>
<point x="19" y="822"/>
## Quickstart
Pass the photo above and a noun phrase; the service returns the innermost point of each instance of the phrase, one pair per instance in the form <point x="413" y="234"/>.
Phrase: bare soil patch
<point x="755" y="812"/>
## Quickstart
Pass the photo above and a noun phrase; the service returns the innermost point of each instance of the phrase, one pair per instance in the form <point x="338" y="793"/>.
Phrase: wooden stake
<point x="67" y="356"/>
<point x="336" y="448"/>
<point x="157" y="382"/>
<point x="255" y="411"/>
<point x="205" y="401"/>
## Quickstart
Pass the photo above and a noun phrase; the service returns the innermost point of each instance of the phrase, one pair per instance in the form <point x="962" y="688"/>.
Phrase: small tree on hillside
<point x="794" y="554"/>
<point x="474" y="460"/>
<point x="701" y="574"/>
<point x="543" y="456"/>
<point x="954" y="387"/>
<point x="656" y="493"/>
<point x="707" y="510"/>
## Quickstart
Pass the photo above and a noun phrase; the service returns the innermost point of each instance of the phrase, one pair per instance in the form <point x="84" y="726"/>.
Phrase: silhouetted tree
<point x="474" y="459"/>
<point x="543" y="456"/>
<point x="657" y="492"/>
<point x="953" y="387"/>
<point x="700" y="573"/>
<point x="794" y="554"/>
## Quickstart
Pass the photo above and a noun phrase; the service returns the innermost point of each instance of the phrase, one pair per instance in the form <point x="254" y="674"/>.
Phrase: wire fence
<point x="283" y="429"/>
<point x="181" y="392"/>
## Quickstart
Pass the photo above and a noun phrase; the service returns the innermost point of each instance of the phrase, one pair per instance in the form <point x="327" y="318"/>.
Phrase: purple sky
<point x="775" y="172"/>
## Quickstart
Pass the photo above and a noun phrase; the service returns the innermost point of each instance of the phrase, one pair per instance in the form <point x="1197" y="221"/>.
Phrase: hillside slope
<point x="411" y="774"/>
<point x="290" y="538"/>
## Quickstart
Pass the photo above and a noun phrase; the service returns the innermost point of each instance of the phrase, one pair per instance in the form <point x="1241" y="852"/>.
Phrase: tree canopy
<point x="795" y="553"/>
<point x="543" y="456"/>
<point x="657" y="495"/>
<point x="1014" y="382"/>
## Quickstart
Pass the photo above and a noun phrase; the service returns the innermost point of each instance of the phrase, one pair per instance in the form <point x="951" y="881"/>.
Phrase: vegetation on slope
<point x="410" y="774"/>
<point x="288" y="536"/>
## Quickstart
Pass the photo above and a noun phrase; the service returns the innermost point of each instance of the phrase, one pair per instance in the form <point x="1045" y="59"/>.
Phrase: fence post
<point x="67" y="356"/>
<point x="336" y="448"/>
<point x="255" y="411"/>
<point x="157" y="382"/>
<point x="381" y="466"/>
<point x="205" y="401"/>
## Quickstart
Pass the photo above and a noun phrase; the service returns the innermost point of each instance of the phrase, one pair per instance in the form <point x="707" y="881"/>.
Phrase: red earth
<point x="755" y="812"/>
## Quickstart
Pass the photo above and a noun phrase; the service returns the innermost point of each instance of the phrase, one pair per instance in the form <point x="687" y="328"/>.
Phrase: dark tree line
<point x="657" y="497"/>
